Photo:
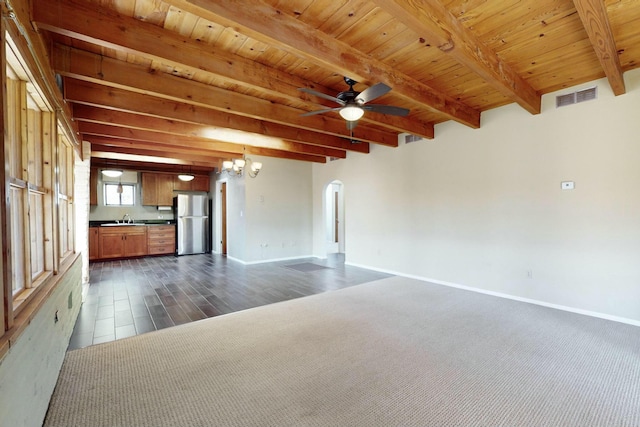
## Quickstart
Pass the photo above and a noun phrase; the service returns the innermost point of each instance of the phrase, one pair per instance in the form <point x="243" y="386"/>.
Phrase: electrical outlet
<point x="567" y="185"/>
<point x="55" y="317"/>
<point x="530" y="274"/>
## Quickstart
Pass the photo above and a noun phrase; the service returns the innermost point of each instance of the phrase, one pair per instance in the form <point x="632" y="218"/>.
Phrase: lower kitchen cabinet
<point x="94" y="243"/>
<point x="123" y="241"/>
<point x="161" y="239"/>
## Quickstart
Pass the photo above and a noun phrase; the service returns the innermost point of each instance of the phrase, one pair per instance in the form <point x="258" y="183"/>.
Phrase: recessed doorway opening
<point x="334" y="217"/>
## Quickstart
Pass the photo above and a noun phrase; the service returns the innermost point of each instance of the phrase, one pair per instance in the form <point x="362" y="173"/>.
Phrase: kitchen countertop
<point x="145" y="222"/>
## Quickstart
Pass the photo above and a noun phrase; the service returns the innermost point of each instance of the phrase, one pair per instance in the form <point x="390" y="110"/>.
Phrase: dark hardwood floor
<point x="132" y="297"/>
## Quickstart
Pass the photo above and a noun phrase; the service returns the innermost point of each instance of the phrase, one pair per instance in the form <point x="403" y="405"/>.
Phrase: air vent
<point x="411" y="138"/>
<point x="333" y="159"/>
<point x="576" y="97"/>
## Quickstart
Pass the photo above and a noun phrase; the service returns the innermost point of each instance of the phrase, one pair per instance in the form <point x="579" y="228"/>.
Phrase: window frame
<point x="120" y="204"/>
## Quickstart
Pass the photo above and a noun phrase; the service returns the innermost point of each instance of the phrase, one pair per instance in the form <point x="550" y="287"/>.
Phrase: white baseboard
<point x="264" y="261"/>
<point x="503" y="295"/>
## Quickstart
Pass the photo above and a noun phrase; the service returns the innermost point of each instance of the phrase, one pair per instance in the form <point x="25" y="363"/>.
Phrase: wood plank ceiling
<point x="195" y="82"/>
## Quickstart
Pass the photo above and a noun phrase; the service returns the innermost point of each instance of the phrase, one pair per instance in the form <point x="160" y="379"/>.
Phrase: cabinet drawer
<point x="165" y="235"/>
<point x="161" y="232"/>
<point x="163" y="241"/>
<point x="161" y="228"/>
<point x="161" y="249"/>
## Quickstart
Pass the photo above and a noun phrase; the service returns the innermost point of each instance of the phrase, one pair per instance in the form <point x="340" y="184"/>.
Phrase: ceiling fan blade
<point x="351" y="125"/>
<point x="321" y="95"/>
<point x="326" y="110"/>
<point x="373" y="92"/>
<point x="386" y="109"/>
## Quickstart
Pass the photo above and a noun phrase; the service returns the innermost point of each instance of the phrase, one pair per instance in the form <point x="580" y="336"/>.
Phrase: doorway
<point x="223" y="218"/>
<point x="334" y="217"/>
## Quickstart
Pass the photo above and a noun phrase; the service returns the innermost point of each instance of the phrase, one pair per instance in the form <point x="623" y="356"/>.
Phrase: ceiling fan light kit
<point x="351" y="113"/>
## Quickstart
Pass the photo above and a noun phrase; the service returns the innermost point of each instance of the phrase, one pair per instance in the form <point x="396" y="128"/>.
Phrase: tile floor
<point x="131" y="297"/>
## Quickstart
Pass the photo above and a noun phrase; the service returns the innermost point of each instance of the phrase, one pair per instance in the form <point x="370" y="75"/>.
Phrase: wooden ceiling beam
<point x="216" y="123"/>
<point x="100" y="162"/>
<point x="119" y="157"/>
<point x="178" y="152"/>
<point x="200" y="143"/>
<point x="270" y="152"/>
<point x="432" y="21"/>
<point x="133" y="78"/>
<point x="129" y="138"/>
<point x="256" y="20"/>
<point x="210" y="159"/>
<point x="122" y="100"/>
<point x="140" y="38"/>
<point x="595" y="20"/>
<point x="132" y="145"/>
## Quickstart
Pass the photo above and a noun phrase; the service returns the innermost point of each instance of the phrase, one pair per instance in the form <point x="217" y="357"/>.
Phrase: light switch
<point x="567" y="185"/>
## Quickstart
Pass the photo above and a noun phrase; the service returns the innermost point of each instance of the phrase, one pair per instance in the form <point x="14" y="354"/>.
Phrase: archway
<point x="334" y="218"/>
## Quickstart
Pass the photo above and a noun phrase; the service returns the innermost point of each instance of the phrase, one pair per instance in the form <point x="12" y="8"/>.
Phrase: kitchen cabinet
<point x="165" y="189"/>
<point x="179" y="185"/>
<point x="199" y="183"/>
<point x="149" y="189"/>
<point x="157" y="189"/>
<point x="161" y="239"/>
<point x="94" y="243"/>
<point x="122" y="241"/>
<point x="93" y="186"/>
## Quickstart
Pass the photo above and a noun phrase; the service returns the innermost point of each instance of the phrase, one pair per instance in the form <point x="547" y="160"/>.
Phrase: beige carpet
<point x="395" y="352"/>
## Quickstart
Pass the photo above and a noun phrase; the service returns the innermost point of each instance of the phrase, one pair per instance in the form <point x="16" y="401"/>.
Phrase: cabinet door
<point x="179" y="185"/>
<point x="200" y="183"/>
<point x="135" y="244"/>
<point x="94" y="243"/>
<point x="93" y="187"/>
<point x="149" y="189"/>
<point x="111" y="245"/>
<point x="165" y="189"/>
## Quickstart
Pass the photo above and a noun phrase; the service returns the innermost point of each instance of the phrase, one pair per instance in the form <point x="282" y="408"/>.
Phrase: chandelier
<point x="237" y="167"/>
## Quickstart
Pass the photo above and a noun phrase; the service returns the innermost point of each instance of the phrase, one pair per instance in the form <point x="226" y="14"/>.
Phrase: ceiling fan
<point x="353" y="104"/>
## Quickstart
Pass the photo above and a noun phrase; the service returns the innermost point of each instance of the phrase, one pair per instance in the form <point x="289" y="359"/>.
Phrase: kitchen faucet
<point x="126" y="218"/>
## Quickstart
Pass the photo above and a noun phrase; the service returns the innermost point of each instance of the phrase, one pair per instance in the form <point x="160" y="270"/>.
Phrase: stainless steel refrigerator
<point x="192" y="217"/>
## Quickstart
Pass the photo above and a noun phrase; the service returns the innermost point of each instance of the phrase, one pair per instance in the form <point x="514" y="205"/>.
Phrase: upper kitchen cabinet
<point x="93" y="186"/>
<point x="165" y="189"/>
<point x="149" y="189"/>
<point x="157" y="189"/>
<point x="199" y="183"/>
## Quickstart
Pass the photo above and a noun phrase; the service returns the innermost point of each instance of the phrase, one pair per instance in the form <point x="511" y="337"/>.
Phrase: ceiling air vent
<point x="576" y="97"/>
<point x="411" y="138"/>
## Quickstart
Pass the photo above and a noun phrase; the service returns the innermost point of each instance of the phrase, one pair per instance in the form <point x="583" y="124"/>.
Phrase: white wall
<point x="278" y="208"/>
<point x="29" y="371"/>
<point x="81" y="202"/>
<point x="483" y="208"/>
<point x="268" y="217"/>
<point x="236" y="221"/>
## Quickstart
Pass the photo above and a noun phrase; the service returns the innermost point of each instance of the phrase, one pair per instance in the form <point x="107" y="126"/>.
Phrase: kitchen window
<point x="119" y="194"/>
